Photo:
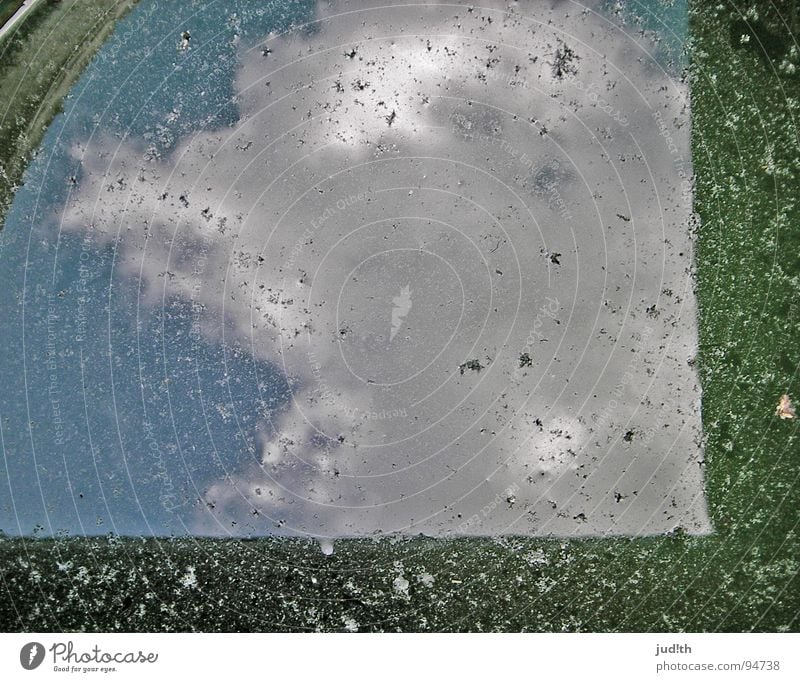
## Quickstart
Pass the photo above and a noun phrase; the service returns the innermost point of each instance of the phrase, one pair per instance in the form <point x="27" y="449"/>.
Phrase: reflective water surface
<point x="343" y="269"/>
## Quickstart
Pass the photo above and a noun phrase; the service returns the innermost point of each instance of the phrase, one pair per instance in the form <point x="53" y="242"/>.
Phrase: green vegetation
<point x="39" y="61"/>
<point x="746" y="97"/>
<point x="8" y="8"/>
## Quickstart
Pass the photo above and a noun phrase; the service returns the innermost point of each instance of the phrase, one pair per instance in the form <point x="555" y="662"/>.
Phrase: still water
<point x="341" y="269"/>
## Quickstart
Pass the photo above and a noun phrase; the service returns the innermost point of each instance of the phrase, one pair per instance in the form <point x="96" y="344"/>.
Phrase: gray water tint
<point x="414" y="270"/>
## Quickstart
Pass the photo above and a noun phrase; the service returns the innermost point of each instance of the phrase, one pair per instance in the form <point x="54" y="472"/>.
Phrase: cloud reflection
<point x="497" y="176"/>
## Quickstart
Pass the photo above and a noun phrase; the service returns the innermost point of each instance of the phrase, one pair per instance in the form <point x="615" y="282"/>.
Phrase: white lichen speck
<point x="785" y="409"/>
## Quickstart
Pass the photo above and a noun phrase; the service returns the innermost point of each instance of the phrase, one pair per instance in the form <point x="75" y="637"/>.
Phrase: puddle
<point x="393" y="270"/>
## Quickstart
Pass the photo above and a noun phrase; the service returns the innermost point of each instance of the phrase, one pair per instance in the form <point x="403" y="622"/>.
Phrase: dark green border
<point x="745" y="577"/>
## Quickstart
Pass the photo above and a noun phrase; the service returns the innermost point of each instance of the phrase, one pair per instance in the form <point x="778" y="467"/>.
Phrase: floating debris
<point x="474" y="365"/>
<point x="785" y="409"/>
<point x="563" y="61"/>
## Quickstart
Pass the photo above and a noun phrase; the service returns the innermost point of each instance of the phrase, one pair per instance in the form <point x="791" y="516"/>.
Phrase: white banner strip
<point x="388" y="657"/>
